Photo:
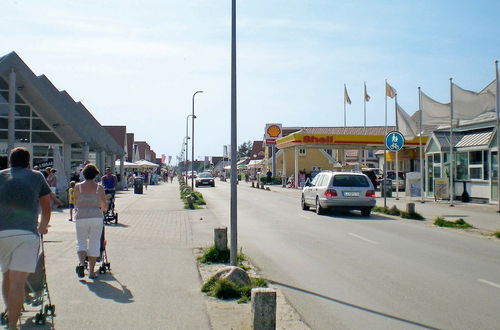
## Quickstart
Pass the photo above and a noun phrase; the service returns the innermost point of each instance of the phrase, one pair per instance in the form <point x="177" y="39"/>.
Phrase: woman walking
<point x="90" y="203"/>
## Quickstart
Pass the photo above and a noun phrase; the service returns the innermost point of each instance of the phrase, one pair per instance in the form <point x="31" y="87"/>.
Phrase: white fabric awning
<point x="126" y="164"/>
<point x="145" y="163"/>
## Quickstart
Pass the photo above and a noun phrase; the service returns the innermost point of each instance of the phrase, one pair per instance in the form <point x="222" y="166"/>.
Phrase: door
<point x="430" y="176"/>
<point x="494" y="176"/>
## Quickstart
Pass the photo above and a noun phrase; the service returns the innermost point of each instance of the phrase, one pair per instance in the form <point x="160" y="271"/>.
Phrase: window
<point x="4" y="123"/>
<point x="22" y="124"/>
<point x="316" y="179"/>
<point x="44" y="137"/>
<point x="350" y="181"/>
<point x="462" y="166"/>
<point x="476" y="162"/>
<point x="302" y="151"/>
<point x="22" y="136"/>
<point x="329" y="152"/>
<point x="38" y="125"/>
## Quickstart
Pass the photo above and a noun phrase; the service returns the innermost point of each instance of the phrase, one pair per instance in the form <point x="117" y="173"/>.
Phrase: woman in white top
<point x="90" y="202"/>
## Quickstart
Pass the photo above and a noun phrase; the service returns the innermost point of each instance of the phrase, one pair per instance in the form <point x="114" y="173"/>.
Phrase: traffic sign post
<point x="394" y="141"/>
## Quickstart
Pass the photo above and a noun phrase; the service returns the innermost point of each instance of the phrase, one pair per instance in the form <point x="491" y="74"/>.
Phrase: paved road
<point x="345" y="271"/>
<point x="154" y="282"/>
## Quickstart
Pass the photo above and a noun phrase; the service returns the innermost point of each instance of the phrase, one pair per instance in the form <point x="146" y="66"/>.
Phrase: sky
<point x="138" y="63"/>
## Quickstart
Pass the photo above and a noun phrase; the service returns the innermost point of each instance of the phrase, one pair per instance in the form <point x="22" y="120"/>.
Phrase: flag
<point x="367" y="97"/>
<point x="390" y="91"/>
<point x="347" y="99"/>
<point x="406" y="125"/>
<point x="468" y="104"/>
<point x="163" y="157"/>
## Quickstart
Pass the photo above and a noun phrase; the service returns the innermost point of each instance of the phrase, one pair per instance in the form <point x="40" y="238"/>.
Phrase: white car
<point x="339" y="190"/>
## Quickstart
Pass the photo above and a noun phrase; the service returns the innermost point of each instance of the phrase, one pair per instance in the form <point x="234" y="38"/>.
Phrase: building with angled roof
<point x="55" y="129"/>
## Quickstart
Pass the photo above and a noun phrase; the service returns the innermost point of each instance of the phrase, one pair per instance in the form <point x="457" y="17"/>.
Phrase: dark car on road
<point x="205" y="179"/>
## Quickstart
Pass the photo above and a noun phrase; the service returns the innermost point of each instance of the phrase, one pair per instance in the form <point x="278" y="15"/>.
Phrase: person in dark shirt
<point x="22" y="193"/>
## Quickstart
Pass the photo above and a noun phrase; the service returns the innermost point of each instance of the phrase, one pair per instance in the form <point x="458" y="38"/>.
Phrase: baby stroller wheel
<point x="40" y="319"/>
<point x="5" y="319"/>
<point x="108" y="265"/>
<point x="116" y="217"/>
<point x="50" y="310"/>
<point x="102" y="269"/>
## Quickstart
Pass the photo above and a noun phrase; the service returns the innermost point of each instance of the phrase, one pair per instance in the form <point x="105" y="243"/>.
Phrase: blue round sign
<point x="394" y="141"/>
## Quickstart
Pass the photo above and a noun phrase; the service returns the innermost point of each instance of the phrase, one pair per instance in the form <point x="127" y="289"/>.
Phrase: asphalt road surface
<point x="345" y="271"/>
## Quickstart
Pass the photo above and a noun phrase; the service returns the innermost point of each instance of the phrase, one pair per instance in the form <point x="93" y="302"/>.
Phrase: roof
<point x="351" y="130"/>
<point x="118" y="133"/>
<point x="464" y="140"/>
<point x="257" y="150"/>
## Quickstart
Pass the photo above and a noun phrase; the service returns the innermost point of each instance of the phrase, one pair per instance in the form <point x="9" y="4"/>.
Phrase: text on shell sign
<point x="317" y="140"/>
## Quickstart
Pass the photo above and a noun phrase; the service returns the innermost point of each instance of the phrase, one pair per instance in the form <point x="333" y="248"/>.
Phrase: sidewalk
<point x="153" y="283"/>
<point x="482" y="216"/>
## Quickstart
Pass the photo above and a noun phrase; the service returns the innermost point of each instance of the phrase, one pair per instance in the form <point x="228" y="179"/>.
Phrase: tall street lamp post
<point x="192" y="141"/>
<point x="185" y="153"/>
<point x="187" y="138"/>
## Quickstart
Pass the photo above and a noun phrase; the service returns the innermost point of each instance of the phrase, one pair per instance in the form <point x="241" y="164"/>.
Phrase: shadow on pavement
<point x="117" y="225"/>
<point x="350" y="215"/>
<point x="364" y="309"/>
<point x="30" y="325"/>
<point x="105" y="290"/>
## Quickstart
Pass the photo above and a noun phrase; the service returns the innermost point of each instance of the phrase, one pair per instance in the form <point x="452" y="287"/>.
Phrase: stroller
<point x="110" y="215"/>
<point x="103" y="257"/>
<point x="37" y="293"/>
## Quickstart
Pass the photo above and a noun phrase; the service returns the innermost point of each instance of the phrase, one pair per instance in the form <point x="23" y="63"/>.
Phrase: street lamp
<point x="187" y="138"/>
<point x="192" y="141"/>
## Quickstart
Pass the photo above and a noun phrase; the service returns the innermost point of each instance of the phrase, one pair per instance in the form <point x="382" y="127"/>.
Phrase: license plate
<point x="351" y="193"/>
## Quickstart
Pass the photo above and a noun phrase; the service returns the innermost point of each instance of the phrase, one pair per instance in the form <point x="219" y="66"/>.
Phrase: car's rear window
<point x="350" y="181"/>
<point x="205" y="175"/>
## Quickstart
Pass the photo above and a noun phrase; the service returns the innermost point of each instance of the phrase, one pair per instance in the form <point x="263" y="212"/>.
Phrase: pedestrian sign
<point x="394" y="141"/>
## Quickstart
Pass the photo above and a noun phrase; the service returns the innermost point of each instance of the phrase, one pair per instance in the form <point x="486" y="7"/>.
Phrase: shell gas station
<point x="297" y="151"/>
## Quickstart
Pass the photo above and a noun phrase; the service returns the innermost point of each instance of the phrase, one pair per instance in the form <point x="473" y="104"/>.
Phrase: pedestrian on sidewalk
<point x="52" y="181"/>
<point x="90" y="203"/>
<point x="71" y="199"/>
<point x="22" y="193"/>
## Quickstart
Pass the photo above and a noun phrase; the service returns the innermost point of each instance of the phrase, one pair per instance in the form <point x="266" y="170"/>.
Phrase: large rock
<point x="233" y="274"/>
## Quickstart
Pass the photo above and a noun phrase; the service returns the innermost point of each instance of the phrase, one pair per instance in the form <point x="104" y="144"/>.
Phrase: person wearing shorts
<point x="90" y="202"/>
<point x="22" y="193"/>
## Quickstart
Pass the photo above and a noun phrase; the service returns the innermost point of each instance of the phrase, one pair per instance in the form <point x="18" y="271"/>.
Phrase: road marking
<point x="490" y="283"/>
<point x="362" y="238"/>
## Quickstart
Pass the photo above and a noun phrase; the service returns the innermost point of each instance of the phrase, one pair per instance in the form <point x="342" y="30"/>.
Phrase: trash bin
<point x="138" y="184"/>
<point x="386" y="188"/>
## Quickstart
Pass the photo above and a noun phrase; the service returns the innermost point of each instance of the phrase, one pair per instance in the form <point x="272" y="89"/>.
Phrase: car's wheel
<point x="366" y="211"/>
<point x="319" y="209"/>
<point x="213" y="184"/>
<point x="303" y="204"/>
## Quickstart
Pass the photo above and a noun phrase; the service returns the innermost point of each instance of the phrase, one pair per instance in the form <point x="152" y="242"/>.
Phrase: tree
<point x="245" y="150"/>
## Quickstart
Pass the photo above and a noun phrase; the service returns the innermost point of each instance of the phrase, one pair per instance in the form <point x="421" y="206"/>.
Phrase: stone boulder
<point x="233" y="274"/>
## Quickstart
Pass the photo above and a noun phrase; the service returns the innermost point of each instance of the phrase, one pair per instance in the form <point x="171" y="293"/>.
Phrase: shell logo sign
<point x="272" y="132"/>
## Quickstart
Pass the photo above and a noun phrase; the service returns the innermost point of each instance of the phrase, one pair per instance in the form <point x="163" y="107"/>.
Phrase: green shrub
<point x="274" y="180"/>
<point x="212" y="255"/>
<point x="380" y="209"/>
<point x="414" y="216"/>
<point x="496" y="234"/>
<point x="224" y="289"/>
<point x="394" y="210"/>
<point x="459" y="223"/>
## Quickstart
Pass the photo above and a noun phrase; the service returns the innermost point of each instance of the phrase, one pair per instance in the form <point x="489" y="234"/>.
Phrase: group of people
<point x="24" y="193"/>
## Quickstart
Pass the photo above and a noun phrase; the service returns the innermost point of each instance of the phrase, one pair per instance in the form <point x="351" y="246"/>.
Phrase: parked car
<point x="339" y="190"/>
<point x="373" y="174"/>
<point x="400" y="182"/>
<point x="204" y="179"/>
<point x="192" y="174"/>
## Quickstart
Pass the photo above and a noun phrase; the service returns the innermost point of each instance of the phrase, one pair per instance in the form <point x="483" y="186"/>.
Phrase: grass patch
<point x="197" y="197"/>
<point x="212" y="255"/>
<point x="224" y="289"/>
<point x="413" y="216"/>
<point x="496" y="234"/>
<point x="459" y="223"/>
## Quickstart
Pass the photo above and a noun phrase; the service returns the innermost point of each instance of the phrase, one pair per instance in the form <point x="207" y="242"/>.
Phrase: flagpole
<point x="364" y="111"/>
<point x="397" y="151"/>
<point x="498" y="133"/>
<point x="452" y="190"/>
<point x="345" y="95"/>
<point x="384" y="182"/>
<point x="420" y="149"/>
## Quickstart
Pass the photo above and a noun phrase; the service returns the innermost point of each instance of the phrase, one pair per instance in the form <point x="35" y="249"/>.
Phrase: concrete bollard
<point x="220" y="238"/>
<point x="263" y="309"/>
<point x="410" y="208"/>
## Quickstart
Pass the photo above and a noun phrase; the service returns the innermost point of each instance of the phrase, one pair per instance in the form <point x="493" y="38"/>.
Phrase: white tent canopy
<point x="126" y="164"/>
<point x="145" y="163"/>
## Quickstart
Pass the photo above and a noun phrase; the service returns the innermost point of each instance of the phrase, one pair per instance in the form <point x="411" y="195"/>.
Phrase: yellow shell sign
<point x="274" y="131"/>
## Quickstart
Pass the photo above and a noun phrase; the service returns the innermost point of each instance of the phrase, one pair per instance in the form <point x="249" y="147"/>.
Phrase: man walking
<point x="22" y="192"/>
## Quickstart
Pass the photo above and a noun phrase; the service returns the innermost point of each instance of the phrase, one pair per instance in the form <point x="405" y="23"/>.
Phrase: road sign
<point x="394" y="141"/>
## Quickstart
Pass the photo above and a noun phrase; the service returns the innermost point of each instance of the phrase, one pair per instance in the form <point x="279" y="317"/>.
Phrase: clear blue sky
<point x="138" y="63"/>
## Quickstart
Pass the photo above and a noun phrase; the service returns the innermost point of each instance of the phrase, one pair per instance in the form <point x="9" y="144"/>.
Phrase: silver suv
<point x="339" y="190"/>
